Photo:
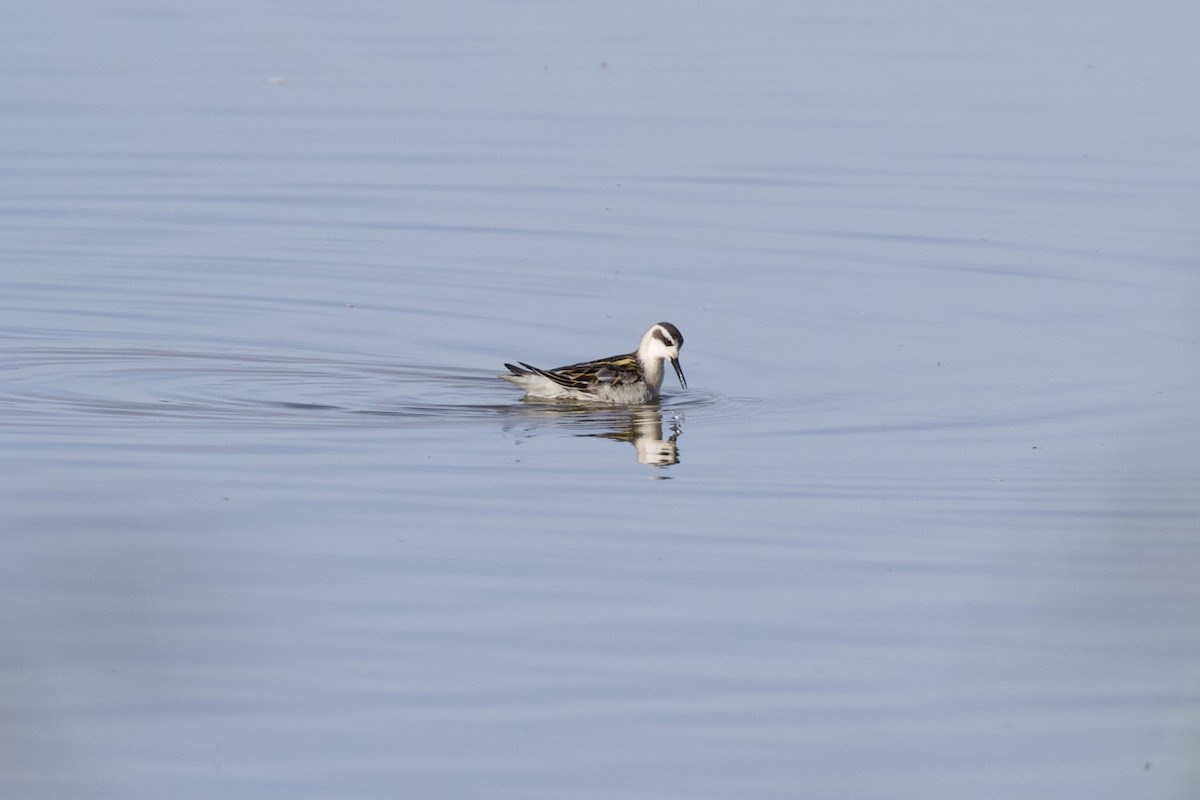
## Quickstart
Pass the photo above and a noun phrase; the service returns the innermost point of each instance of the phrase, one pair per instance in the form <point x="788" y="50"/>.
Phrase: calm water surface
<point x="923" y="525"/>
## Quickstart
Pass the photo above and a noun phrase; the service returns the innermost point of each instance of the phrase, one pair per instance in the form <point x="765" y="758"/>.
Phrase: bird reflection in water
<point x="640" y="425"/>
<point x="645" y="432"/>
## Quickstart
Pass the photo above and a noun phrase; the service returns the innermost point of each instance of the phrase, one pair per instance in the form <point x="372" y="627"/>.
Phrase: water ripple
<point x="134" y="386"/>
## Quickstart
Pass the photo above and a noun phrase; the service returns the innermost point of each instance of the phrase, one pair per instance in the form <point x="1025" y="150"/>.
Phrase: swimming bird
<point x="630" y="378"/>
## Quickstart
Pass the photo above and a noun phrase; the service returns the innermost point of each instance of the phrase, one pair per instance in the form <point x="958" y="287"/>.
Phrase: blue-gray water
<point x="271" y="528"/>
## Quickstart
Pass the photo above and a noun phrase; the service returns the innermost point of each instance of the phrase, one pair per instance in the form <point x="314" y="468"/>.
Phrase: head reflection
<point x="643" y="429"/>
<point x="639" y="425"/>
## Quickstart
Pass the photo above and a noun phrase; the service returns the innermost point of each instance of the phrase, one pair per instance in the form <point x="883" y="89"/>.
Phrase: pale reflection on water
<point x="645" y="432"/>
<point x="639" y="425"/>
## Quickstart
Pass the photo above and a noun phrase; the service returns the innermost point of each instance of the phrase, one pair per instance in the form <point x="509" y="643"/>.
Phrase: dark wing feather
<point x="562" y="379"/>
<point x="615" y="371"/>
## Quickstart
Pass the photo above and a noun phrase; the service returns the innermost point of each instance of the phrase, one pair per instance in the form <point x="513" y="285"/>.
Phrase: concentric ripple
<point x="140" y="386"/>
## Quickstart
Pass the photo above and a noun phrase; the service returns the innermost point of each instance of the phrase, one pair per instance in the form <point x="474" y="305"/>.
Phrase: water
<point x="923" y="525"/>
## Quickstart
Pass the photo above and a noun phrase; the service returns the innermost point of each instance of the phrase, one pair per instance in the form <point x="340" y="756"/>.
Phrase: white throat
<point x="653" y="367"/>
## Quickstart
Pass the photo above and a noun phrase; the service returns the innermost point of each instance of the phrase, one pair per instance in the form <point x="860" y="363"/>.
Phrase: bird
<point x="626" y="379"/>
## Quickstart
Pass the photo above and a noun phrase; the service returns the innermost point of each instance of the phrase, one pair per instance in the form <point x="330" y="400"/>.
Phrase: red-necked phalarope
<point x="631" y="378"/>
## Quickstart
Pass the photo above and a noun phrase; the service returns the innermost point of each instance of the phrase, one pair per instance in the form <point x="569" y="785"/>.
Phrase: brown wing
<point x="615" y="371"/>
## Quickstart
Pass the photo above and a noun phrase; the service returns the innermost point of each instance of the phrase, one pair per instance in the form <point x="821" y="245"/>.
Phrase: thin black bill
<point x="678" y="372"/>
